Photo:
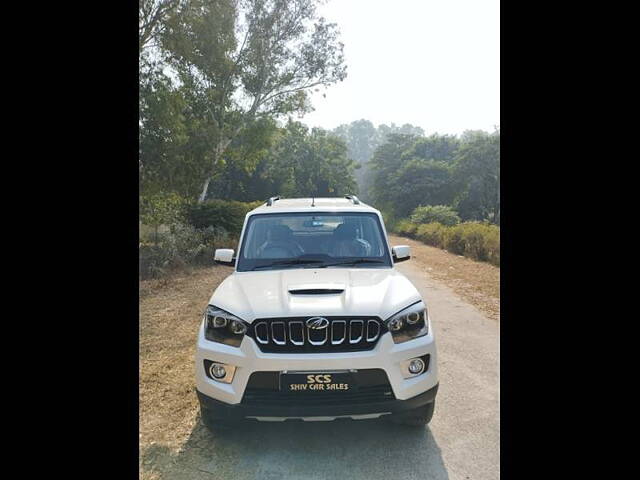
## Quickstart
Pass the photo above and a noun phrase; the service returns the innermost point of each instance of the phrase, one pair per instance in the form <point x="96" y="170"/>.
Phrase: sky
<point x="431" y="63"/>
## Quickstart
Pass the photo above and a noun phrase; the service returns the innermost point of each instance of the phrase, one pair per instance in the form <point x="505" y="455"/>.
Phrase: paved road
<point x="461" y="442"/>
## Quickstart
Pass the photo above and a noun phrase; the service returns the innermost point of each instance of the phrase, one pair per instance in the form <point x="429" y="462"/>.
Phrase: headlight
<point x="409" y="323"/>
<point x="223" y="327"/>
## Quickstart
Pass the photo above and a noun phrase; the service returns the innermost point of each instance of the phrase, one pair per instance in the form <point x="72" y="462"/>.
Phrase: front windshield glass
<point x="302" y="240"/>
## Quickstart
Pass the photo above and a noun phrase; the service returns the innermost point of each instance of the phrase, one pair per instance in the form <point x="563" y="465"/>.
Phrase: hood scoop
<point x="316" y="291"/>
<point x="326" y="289"/>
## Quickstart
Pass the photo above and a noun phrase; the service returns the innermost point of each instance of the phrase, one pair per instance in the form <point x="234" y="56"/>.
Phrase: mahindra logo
<point x="317" y="323"/>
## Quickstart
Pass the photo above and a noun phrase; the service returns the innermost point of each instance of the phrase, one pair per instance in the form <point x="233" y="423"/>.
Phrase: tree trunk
<point x="220" y="149"/>
<point x="205" y="188"/>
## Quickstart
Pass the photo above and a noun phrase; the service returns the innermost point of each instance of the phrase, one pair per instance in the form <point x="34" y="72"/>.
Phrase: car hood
<point x="276" y="293"/>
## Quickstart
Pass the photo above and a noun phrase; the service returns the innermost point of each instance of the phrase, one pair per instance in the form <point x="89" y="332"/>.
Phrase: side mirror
<point x="224" y="256"/>
<point x="401" y="253"/>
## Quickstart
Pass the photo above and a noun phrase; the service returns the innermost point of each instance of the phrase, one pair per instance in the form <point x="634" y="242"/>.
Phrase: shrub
<point x="479" y="241"/>
<point x="491" y="243"/>
<point x="453" y="239"/>
<point x="483" y="242"/>
<point x="149" y="259"/>
<point x="405" y="227"/>
<point x="176" y="249"/>
<point x="431" y="234"/>
<point x="182" y="246"/>
<point x="227" y="214"/>
<point x="435" y="213"/>
<point x="157" y="210"/>
<point x="212" y="238"/>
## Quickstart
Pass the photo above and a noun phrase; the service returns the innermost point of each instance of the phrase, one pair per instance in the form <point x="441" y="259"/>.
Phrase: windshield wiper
<point x="352" y="262"/>
<point x="294" y="261"/>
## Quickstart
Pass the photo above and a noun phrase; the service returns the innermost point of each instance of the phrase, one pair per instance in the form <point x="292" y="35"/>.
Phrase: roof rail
<point x="353" y="198"/>
<point x="272" y="200"/>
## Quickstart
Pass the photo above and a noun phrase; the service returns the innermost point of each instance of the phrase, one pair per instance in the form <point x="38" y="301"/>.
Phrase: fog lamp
<point x="416" y="366"/>
<point x="217" y="370"/>
<point x="220" y="372"/>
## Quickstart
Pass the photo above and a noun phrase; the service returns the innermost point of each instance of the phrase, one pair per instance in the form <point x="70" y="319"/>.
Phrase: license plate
<point x="321" y="382"/>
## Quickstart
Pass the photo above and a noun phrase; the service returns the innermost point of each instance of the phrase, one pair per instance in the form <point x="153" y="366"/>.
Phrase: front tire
<point x="415" y="418"/>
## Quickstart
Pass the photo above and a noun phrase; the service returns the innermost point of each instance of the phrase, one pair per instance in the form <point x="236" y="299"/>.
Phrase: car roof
<point x="313" y="204"/>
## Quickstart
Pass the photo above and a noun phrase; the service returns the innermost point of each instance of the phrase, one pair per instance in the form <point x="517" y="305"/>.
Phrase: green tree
<point x="152" y="15"/>
<point x="420" y="182"/>
<point x="477" y="175"/>
<point x="386" y="164"/>
<point x="362" y="139"/>
<point x="241" y="175"/>
<point x="163" y="135"/>
<point x="310" y="163"/>
<point x="385" y="130"/>
<point x="441" y="148"/>
<point x="463" y="173"/>
<point x="243" y="60"/>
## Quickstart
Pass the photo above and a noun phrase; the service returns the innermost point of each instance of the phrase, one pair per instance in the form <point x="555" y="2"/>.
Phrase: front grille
<point x="291" y="335"/>
<point x="263" y="389"/>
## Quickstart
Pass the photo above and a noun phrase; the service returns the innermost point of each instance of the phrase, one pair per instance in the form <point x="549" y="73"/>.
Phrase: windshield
<point x="303" y="240"/>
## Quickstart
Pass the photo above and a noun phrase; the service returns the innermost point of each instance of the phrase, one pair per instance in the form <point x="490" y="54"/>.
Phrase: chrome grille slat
<point x="344" y="331"/>
<point x="292" y="335"/>
<point x="264" y="339"/>
<point x="273" y="333"/>
<point x="351" y="325"/>
<point x="373" y="338"/>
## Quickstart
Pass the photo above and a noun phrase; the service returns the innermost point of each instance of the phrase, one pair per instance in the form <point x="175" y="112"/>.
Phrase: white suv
<point x="315" y="323"/>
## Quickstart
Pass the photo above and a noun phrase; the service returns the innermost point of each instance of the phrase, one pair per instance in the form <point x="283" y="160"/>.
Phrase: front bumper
<point x="217" y="410"/>
<point x="248" y="359"/>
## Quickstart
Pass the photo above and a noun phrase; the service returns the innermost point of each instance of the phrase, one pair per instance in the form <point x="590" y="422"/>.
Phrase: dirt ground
<point x="170" y="313"/>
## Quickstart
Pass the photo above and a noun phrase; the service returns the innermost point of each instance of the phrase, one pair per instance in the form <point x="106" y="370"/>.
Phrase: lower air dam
<point x="321" y="419"/>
